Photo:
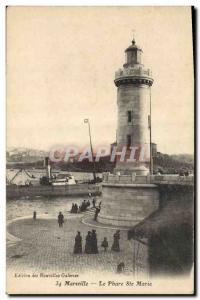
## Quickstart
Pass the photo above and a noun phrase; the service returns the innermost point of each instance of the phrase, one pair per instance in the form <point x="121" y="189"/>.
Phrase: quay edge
<point x="13" y="191"/>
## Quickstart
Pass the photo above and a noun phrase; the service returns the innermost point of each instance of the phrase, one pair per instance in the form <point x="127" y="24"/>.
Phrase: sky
<point x="61" y="63"/>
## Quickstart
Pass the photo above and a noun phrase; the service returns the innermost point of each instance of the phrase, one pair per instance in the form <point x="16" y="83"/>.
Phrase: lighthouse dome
<point x="133" y="47"/>
<point x="133" y="55"/>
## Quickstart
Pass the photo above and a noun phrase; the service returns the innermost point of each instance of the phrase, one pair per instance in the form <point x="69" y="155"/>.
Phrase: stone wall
<point x="127" y="205"/>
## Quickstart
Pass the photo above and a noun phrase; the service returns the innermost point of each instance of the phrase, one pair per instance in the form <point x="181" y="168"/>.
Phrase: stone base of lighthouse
<point x="127" y="204"/>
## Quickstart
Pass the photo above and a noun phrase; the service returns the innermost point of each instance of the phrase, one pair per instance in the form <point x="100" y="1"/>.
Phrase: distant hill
<point x="25" y="157"/>
<point x="184" y="158"/>
<point x="173" y="163"/>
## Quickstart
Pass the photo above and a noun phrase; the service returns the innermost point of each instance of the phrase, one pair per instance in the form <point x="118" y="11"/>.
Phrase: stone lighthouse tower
<point x="134" y="99"/>
<point x="128" y="196"/>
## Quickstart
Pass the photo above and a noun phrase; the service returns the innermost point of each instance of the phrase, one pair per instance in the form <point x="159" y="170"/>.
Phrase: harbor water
<point x="49" y="205"/>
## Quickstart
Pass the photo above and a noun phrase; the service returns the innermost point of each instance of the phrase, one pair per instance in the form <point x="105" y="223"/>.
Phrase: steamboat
<point x="53" y="184"/>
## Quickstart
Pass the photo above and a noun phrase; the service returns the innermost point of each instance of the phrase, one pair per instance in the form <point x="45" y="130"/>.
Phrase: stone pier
<point x="127" y="201"/>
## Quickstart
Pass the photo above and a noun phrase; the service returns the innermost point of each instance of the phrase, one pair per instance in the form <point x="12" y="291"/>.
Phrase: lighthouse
<point x="133" y="84"/>
<point x="128" y="196"/>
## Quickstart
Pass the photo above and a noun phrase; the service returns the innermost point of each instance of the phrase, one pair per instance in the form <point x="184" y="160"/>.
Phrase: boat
<point x="51" y="185"/>
<point x="63" y="179"/>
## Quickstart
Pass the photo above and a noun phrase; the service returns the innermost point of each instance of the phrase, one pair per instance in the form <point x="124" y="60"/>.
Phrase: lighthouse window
<point x="128" y="141"/>
<point x="129" y="116"/>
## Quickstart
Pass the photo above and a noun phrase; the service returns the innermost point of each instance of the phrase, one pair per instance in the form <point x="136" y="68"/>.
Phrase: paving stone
<point x="45" y="246"/>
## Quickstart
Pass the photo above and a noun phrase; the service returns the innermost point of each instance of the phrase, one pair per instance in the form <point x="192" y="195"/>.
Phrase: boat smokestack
<point x="47" y="166"/>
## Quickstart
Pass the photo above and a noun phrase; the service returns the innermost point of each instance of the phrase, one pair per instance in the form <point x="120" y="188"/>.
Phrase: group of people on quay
<point x="84" y="206"/>
<point x="91" y="244"/>
<point x="81" y="208"/>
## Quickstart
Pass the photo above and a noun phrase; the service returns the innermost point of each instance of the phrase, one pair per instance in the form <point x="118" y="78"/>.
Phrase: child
<point x="104" y="244"/>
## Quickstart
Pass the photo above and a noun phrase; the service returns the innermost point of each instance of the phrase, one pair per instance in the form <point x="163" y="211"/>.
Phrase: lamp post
<point x="94" y="171"/>
<point x="151" y="156"/>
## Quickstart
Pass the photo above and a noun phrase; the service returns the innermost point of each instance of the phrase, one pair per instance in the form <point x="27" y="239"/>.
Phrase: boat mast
<point x="94" y="167"/>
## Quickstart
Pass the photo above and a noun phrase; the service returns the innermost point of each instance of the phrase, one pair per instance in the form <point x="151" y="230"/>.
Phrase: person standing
<point x="34" y="215"/>
<point x="97" y="211"/>
<point x="78" y="243"/>
<point x="115" y="246"/>
<point x="60" y="219"/>
<point x="88" y="243"/>
<point x="75" y="208"/>
<point x="94" y="202"/>
<point x="94" y="242"/>
<point x="72" y="209"/>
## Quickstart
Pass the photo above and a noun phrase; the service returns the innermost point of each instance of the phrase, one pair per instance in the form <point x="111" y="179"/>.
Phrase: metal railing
<point x="132" y="72"/>
<point x="154" y="179"/>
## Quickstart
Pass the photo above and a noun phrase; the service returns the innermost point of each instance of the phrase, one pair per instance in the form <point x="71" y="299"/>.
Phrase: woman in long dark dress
<point x="94" y="242"/>
<point x="88" y="243"/>
<point x="78" y="243"/>
<point x="72" y="209"/>
<point x="75" y="208"/>
<point x="115" y="245"/>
